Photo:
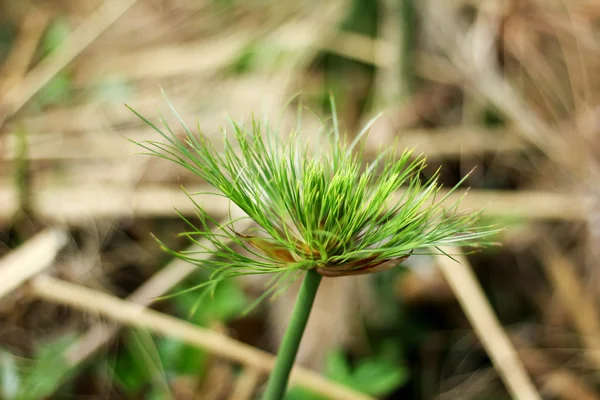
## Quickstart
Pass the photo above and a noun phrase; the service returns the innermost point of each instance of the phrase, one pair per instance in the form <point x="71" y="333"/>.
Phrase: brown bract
<point x="360" y="266"/>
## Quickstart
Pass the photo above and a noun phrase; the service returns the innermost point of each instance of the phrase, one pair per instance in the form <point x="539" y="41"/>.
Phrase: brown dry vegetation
<point x="510" y="88"/>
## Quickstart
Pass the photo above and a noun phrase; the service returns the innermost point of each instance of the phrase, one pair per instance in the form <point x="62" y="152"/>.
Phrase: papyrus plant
<point x="320" y="211"/>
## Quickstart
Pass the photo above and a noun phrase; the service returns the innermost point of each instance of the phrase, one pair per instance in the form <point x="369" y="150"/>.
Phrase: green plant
<point x="377" y="375"/>
<point x="141" y="364"/>
<point x="160" y="360"/>
<point x="59" y="88"/>
<point x="320" y="211"/>
<point x="22" y="379"/>
<point x="227" y="302"/>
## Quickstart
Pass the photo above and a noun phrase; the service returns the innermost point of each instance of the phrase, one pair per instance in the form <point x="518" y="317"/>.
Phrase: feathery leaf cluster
<point x="319" y="208"/>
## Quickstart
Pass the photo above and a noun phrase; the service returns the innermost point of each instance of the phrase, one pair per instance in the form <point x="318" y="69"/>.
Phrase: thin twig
<point x="486" y="325"/>
<point x="135" y="315"/>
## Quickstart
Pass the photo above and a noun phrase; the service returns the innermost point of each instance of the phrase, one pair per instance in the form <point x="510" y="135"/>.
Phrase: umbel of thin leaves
<point x="326" y="210"/>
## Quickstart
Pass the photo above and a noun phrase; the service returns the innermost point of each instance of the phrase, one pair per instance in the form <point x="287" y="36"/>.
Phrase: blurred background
<point x="508" y="89"/>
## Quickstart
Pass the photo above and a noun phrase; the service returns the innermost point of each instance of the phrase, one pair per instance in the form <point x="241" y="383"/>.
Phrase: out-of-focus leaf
<point x="128" y="375"/>
<point x="228" y="302"/>
<point x="7" y="36"/>
<point x="56" y="91"/>
<point x="298" y="393"/>
<point x="48" y="371"/>
<point x="55" y="35"/>
<point x="244" y="61"/>
<point x="390" y="350"/>
<point x="179" y="358"/>
<point x="140" y="363"/>
<point x="374" y="376"/>
<point x="336" y="366"/>
<point x="377" y="377"/>
<point x="157" y="394"/>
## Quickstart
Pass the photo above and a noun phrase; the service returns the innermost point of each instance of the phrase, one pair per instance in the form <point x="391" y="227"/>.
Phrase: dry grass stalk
<point x="30" y="259"/>
<point x="475" y="384"/>
<point x="167" y="60"/>
<point x="135" y="315"/>
<point x="17" y="63"/>
<point x="566" y="386"/>
<point x="245" y="384"/>
<point x="361" y="48"/>
<point x="399" y="117"/>
<point x="435" y="143"/>
<point x="390" y="86"/>
<point x="77" y="205"/>
<point x="158" y="285"/>
<point x="486" y="325"/>
<point x="460" y="142"/>
<point x="414" y="287"/>
<point x="217" y="381"/>
<point x="78" y="41"/>
<point x="218" y="378"/>
<point x="472" y="51"/>
<point x="560" y="382"/>
<point x="573" y="296"/>
<point x="380" y="53"/>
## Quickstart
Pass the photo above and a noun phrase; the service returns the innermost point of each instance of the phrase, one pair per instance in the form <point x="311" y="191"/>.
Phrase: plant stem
<point x="291" y="340"/>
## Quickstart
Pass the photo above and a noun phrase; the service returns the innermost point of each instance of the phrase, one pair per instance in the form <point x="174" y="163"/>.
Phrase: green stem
<point x="291" y="340"/>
